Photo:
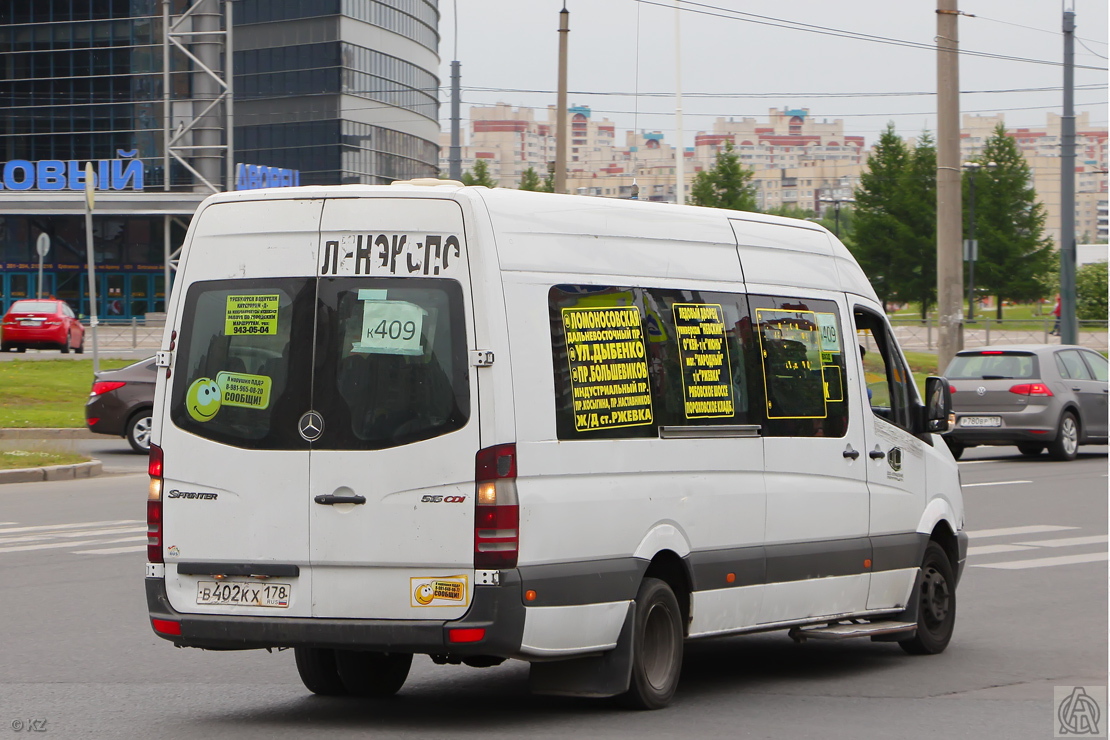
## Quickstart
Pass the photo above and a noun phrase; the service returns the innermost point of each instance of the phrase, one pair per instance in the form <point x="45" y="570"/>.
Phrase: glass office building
<point x="343" y="91"/>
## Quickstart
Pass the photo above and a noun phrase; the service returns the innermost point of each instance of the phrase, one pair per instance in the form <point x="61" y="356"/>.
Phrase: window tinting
<point x="1071" y="365"/>
<point x="802" y="366"/>
<point x="629" y="360"/>
<point x="391" y="361"/>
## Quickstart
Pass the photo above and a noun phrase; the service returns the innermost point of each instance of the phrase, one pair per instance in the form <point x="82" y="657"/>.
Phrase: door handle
<point x="876" y="454"/>
<point x="1076" y="389"/>
<point x="331" y="499"/>
<point x="851" y="454"/>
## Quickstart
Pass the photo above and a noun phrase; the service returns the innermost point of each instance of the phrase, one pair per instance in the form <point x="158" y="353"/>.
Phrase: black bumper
<point x="1001" y="436"/>
<point x="961" y="549"/>
<point x="497" y="609"/>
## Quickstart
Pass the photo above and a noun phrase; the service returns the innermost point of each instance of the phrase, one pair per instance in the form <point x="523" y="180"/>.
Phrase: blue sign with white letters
<point x="254" y="176"/>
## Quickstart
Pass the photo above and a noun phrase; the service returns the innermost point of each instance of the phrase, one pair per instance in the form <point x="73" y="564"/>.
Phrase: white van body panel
<point x="553" y="631"/>
<point x="757" y="527"/>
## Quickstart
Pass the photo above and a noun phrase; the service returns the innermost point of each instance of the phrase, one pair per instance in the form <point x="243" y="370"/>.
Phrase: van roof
<point x="548" y="214"/>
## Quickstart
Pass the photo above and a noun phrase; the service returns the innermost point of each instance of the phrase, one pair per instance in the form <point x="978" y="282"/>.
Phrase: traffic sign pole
<point x="42" y="246"/>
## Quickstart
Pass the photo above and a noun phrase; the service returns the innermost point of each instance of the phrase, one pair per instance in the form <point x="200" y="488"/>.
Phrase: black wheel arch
<point x="668" y="567"/>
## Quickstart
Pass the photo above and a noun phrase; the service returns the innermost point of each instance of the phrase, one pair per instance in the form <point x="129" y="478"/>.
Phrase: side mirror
<point x="938" y="404"/>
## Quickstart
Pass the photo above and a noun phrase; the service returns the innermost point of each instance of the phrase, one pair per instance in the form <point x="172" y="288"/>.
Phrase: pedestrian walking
<point x="1056" y="312"/>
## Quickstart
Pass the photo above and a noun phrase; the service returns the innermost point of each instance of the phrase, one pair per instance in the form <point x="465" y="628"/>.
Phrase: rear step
<point x="844" y="629"/>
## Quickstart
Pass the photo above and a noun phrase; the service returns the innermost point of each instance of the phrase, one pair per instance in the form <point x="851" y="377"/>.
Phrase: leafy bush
<point x="1091" y="289"/>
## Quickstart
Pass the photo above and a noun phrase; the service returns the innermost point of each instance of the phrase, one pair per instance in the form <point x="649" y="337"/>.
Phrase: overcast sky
<point x="509" y="53"/>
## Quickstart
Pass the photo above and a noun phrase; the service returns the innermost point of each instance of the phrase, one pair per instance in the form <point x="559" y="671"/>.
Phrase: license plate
<point x="30" y="322"/>
<point x="981" y="421"/>
<point x="236" y="593"/>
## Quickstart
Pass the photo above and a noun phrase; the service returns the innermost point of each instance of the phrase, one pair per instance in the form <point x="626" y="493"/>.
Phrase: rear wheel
<point x="65" y="344"/>
<point x="936" y="606"/>
<point x="318" y="671"/>
<point x="957" y="448"/>
<point x="372" y="674"/>
<point x="5" y="347"/>
<point x="138" y="431"/>
<point x="1030" y="449"/>
<point x="656" y="647"/>
<point x="1066" y="445"/>
<point x="81" y="347"/>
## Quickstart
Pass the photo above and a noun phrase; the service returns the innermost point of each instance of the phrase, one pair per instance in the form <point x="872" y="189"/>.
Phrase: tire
<point x="65" y="345"/>
<point x="81" y="347"/>
<point x="957" y="448"/>
<point x="373" y="675"/>
<point x="318" y="671"/>
<point x="138" y="431"/>
<point x="1030" y="449"/>
<point x="656" y="647"/>
<point x="936" y="612"/>
<point x="5" y="347"/>
<point x="1066" y="445"/>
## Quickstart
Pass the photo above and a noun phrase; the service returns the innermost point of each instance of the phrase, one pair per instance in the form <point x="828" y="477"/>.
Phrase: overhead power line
<point x="763" y="20"/>
<point x="1057" y="88"/>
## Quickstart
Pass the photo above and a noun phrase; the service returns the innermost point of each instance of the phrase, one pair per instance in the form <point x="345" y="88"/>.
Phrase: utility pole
<point x="680" y="150"/>
<point x="1069" y="329"/>
<point x="949" y="208"/>
<point x="454" y="158"/>
<point x="561" y="105"/>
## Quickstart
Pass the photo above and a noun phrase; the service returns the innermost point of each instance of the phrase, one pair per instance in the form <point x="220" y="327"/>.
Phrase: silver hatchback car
<point x="1034" y="396"/>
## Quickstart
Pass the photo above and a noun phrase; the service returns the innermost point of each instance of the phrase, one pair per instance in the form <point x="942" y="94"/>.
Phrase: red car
<point x="44" y="323"/>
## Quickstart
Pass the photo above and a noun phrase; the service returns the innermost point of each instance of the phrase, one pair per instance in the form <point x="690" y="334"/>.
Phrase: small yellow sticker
<point x="251" y="314"/>
<point x="247" y="391"/>
<point x="444" y="591"/>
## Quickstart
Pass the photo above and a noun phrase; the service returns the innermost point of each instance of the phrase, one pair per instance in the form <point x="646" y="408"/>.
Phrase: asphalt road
<point x="78" y="658"/>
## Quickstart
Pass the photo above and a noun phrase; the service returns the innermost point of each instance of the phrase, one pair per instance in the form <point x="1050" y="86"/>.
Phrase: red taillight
<point x="991" y="352"/>
<point x="103" y="386"/>
<point x="166" y="626"/>
<point x="462" y="634"/>
<point x="154" y="507"/>
<point x="1031" y="389"/>
<point x="496" y="513"/>
<point x="951" y="389"/>
<point x="92" y="421"/>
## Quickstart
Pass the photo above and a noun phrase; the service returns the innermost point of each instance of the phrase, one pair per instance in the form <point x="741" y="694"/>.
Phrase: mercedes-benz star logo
<point x="311" y="425"/>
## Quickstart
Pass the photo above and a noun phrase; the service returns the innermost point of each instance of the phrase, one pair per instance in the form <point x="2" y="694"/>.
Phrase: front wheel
<point x="138" y="431"/>
<point x="957" y="448"/>
<point x="656" y="647"/>
<point x="81" y="347"/>
<point x="1066" y="445"/>
<point x="373" y="675"/>
<point x="318" y="671"/>
<point x="936" y="605"/>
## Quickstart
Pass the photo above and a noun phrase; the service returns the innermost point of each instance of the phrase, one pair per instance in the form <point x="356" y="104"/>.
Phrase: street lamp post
<point x="971" y="244"/>
<point x="836" y="209"/>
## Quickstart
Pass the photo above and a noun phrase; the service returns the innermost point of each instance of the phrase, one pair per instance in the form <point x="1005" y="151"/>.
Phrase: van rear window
<point x="382" y="360"/>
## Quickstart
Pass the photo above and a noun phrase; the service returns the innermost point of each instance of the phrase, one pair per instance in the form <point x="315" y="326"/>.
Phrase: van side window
<point x="801" y="351"/>
<point x="889" y="391"/>
<point x="628" y="360"/>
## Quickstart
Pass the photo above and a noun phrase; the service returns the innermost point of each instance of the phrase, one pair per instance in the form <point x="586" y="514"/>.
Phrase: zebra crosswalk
<point x="1027" y="547"/>
<point x="111" y="537"/>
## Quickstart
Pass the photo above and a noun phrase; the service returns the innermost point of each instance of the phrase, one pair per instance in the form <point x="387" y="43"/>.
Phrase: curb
<point x="56" y="433"/>
<point x="52" y="472"/>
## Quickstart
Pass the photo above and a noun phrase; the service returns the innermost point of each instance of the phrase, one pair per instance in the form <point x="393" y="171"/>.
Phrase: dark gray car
<point x="121" y="403"/>
<point x="1034" y="396"/>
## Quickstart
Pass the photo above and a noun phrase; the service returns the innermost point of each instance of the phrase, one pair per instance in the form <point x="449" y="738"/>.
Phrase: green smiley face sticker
<point x="203" y="399"/>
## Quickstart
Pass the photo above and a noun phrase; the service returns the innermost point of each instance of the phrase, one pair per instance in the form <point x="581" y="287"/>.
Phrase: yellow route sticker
<point x="703" y="354"/>
<point x="251" y="314"/>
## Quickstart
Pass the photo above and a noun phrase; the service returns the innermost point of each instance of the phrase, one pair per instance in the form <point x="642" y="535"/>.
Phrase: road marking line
<point x="39" y="537"/>
<point x="1093" y="557"/>
<point x="57" y="545"/>
<point x="1006" y="531"/>
<point x="996" y="549"/>
<point x="1068" y="541"/>
<point x="997" y="483"/>
<point x="112" y="550"/>
<point x="75" y="525"/>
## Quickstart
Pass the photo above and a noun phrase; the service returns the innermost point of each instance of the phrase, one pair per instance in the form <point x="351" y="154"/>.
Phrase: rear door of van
<point x="321" y="390"/>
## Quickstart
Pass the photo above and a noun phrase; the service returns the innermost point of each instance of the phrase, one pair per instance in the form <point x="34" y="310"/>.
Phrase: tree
<point x="1014" y="252"/>
<point x="893" y="232"/>
<point x="1090" y="290"/>
<point x="530" y="180"/>
<point x="726" y="185"/>
<point x="480" y="175"/>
